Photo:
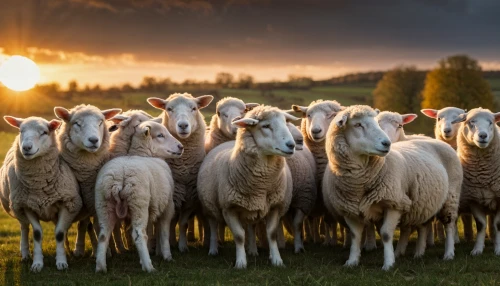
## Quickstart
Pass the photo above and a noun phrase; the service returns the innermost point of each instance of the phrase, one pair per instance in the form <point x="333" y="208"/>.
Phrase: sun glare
<point x="19" y="73"/>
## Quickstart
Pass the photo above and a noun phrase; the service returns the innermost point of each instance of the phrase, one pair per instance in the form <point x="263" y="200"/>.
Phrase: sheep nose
<point x="299" y="142"/>
<point x="447" y="131"/>
<point x="386" y="143"/>
<point x="180" y="147"/>
<point x="290" y="144"/>
<point x="483" y="135"/>
<point x="27" y="147"/>
<point x="182" y="125"/>
<point x="93" y="140"/>
<point x="316" y="130"/>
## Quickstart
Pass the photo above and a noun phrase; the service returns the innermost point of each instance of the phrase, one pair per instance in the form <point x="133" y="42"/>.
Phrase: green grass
<point x="6" y="140"/>
<point x="318" y="266"/>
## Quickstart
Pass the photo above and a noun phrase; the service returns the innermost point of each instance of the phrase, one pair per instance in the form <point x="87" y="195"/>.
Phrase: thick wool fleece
<point x="303" y="170"/>
<point x="119" y="142"/>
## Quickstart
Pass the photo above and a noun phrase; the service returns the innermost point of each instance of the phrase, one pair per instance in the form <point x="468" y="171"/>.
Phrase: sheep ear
<point x="332" y="115"/>
<point x="244" y="122"/>
<point x="407" y="118"/>
<point x="110" y="113"/>
<point x="461" y="118"/>
<point x="377" y="110"/>
<point x="113" y="128"/>
<point x="62" y="113"/>
<point x="341" y="121"/>
<point x="302" y="109"/>
<point x="290" y="117"/>
<point x="157" y="102"/>
<point x="54" y="124"/>
<point x="13" y="121"/>
<point x="250" y="106"/>
<point x="157" y="120"/>
<point x="147" y="131"/>
<point x="121" y="120"/>
<point x="204" y="100"/>
<point x="497" y="116"/>
<point x="432" y="113"/>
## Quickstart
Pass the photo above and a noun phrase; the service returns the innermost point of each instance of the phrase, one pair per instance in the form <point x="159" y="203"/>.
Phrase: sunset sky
<point x="117" y="41"/>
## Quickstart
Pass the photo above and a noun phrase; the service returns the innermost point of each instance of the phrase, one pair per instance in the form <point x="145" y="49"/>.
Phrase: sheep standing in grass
<point x="478" y="146"/>
<point x="315" y="121"/>
<point x="35" y="184"/>
<point x="392" y="124"/>
<point x="140" y="187"/>
<point x="184" y="121"/>
<point x="246" y="181"/>
<point x="83" y="142"/>
<point x="447" y="132"/>
<point x="365" y="182"/>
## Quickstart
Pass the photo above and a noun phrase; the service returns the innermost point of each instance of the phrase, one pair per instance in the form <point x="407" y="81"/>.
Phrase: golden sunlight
<point x="19" y="73"/>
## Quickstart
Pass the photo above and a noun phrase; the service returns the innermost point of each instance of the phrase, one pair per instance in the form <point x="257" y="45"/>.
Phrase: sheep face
<point x="130" y="119"/>
<point x="182" y="112"/>
<point x="155" y="139"/>
<point x="36" y="136"/>
<point x="270" y="134"/>
<point x="479" y="126"/>
<point x="226" y="113"/>
<point x="86" y="125"/>
<point x="392" y="123"/>
<point x="444" y="119"/>
<point x="297" y="136"/>
<point x="318" y="116"/>
<point x="363" y="134"/>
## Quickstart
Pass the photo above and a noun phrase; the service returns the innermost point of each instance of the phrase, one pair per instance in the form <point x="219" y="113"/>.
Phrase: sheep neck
<point x="318" y="151"/>
<point x="217" y="137"/>
<point x="480" y="159"/>
<point x="452" y="142"/>
<point x="120" y="141"/>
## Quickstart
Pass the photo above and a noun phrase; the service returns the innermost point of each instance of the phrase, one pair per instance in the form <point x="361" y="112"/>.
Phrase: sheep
<point x="83" y="142"/>
<point x="183" y="119"/>
<point x="365" y="182"/>
<point x="392" y="124"/>
<point x="35" y="184"/>
<point x="247" y="180"/>
<point x="445" y="131"/>
<point x="315" y="121"/>
<point x="478" y="146"/>
<point x="140" y="187"/>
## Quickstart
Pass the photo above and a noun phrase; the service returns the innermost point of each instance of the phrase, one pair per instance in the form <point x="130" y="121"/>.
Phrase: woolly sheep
<point x="83" y="141"/>
<point x="315" y="121"/>
<point x="365" y="182"/>
<point x="140" y="187"/>
<point x="183" y="119"/>
<point x="247" y="180"/>
<point x="478" y="146"/>
<point x="37" y="185"/>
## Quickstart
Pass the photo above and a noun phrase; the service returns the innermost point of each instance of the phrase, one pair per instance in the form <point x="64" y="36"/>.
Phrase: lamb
<point x="140" y="187"/>
<point x="478" y="146"/>
<point x="83" y="142"/>
<point x="315" y="121"/>
<point x="183" y="119"/>
<point x="445" y="131"/>
<point x="365" y="182"/>
<point x="35" y="184"/>
<point x="247" y="180"/>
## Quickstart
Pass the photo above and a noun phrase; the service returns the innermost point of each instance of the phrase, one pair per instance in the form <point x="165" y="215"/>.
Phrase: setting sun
<point x="19" y="73"/>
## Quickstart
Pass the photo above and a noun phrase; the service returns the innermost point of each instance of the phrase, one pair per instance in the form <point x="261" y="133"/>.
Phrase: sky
<point x="117" y="41"/>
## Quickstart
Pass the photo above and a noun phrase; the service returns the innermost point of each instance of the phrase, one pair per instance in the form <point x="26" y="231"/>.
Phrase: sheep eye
<point x="491" y="123"/>
<point x="309" y="116"/>
<point x="357" y="125"/>
<point x="161" y="135"/>
<point x="194" y="109"/>
<point x="77" y="124"/>
<point x="100" y="123"/>
<point x="169" y="109"/>
<point x="439" y="118"/>
<point x="225" y="115"/>
<point x="266" y="126"/>
<point x="400" y="126"/>
<point x="45" y="133"/>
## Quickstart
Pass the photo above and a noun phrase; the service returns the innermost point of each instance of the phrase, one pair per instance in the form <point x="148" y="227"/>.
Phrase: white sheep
<point x="83" y="142"/>
<point x="36" y="184"/>
<point x="478" y="146"/>
<point x="365" y="182"/>
<point x="183" y="119"/>
<point x="247" y="180"/>
<point x="141" y="187"/>
<point x="315" y="121"/>
<point x="445" y="131"/>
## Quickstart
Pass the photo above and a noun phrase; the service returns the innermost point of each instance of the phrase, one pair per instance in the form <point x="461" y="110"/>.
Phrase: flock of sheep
<point x="253" y="171"/>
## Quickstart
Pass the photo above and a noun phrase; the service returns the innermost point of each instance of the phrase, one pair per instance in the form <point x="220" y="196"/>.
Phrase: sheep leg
<point x="356" y="226"/>
<point x="370" y="240"/>
<point x="183" y="224"/>
<point x="164" y="233"/>
<point x="440" y="230"/>
<point x="404" y="236"/>
<point x="343" y="232"/>
<point x="80" y="237"/>
<point x="456" y="237"/>
<point x="214" y="245"/>
<point x="496" y="227"/>
<point x="348" y="238"/>
<point x="391" y="220"/>
<point x="298" y="221"/>
<point x="491" y="228"/>
<point x="37" y="241"/>
<point x="25" y="244"/>
<point x="468" y="230"/>
<point x="421" y="240"/>
<point x="107" y="223"/>
<point x="63" y="224"/>
<point x="307" y="229"/>
<point x="315" y="230"/>
<point x="430" y="235"/>
<point x="251" y="242"/>
<point x="272" y="225"/>
<point x="238" y="232"/>
<point x="190" y="230"/>
<point x="117" y="237"/>
<point x="480" y="218"/>
<point x="280" y="235"/>
<point x="173" y="235"/>
<point x="328" y="238"/>
<point x="222" y="232"/>
<point x="449" y="247"/>
<point x="204" y="230"/>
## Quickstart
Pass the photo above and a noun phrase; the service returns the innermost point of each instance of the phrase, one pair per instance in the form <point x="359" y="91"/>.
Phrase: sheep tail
<point x="121" y="205"/>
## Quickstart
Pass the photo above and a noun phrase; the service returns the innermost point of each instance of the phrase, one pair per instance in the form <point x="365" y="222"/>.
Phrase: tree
<point x="297" y="81"/>
<point x="399" y="90"/>
<point x="148" y="83"/>
<point x="245" y="81"/>
<point x="457" y="81"/>
<point x="224" y="79"/>
<point x="72" y="89"/>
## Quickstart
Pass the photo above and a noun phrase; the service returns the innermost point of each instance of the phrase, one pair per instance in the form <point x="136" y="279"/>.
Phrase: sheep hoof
<point x="351" y="263"/>
<point x="253" y="252"/>
<point x="149" y="269"/>
<point x="36" y="267"/>
<point x="183" y="248"/>
<point x="476" y="252"/>
<point x="449" y="256"/>
<point x="62" y="265"/>
<point x="497" y="251"/>
<point x="370" y="247"/>
<point x="168" y="257"/>
<point x="213" y="252"/>
<point x="300" y="250"/>
<point x="418" y="255"/>
<point x="101" y="269"/>
<point x="25" y="257"/>
<point x="278" y="262"/>
<point x="78" y="253"/>
<point x="240" y="264"/>
<point x="387" y="267"/>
